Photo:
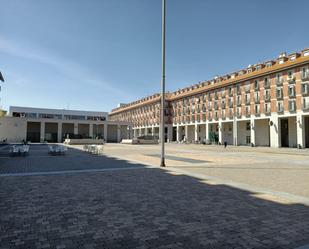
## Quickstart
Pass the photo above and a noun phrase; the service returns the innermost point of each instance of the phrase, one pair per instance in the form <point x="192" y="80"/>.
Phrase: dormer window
<point x="269" y="64"/>
<point x="293" y="57"/>
<point x="281" y="60"/>
<point x="306" y="53"/>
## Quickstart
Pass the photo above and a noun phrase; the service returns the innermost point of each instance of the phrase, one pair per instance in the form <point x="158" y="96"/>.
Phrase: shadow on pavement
<point x="139" y="208"/>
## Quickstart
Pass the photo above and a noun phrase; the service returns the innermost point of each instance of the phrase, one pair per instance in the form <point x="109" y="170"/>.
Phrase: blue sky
<point x="94" y="54"/>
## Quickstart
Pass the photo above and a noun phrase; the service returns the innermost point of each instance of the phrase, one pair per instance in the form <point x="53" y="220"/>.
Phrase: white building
<point x="54" y="125"/>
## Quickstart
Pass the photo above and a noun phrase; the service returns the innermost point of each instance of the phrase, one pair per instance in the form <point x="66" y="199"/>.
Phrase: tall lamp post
<point x="162" y="123"/>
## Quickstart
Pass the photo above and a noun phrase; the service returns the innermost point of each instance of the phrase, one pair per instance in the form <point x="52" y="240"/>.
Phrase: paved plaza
<point x="207" y="197"/>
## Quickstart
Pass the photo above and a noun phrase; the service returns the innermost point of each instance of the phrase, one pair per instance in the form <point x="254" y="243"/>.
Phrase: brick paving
<point x="140" y="208"/>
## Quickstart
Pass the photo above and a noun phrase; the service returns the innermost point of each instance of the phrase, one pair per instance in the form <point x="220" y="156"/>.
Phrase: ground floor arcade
<point x="270" y="131"/>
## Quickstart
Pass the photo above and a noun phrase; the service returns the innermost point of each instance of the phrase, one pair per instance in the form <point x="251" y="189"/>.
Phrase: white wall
<point x="13" y="129"/>
<point x="262" y="134"/>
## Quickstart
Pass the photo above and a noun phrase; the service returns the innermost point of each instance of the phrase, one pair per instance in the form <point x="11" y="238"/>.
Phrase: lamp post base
<point x="162" y="164"/>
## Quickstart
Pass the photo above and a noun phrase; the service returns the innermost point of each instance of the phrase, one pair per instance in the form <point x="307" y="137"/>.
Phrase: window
<point x="256" y="85"/>
<point x="280" y="106"/>
<point x="248" y="126"/>
<point x="257" y="109"/>
<point x="247" y="87"/>
<point x="230" y="91"/>
<point x="292" y="105"/>
<point x="279" y="79"/>
<point x="257" y="97"/>
<point x="238" y="100"/>
<point x="267" y="95"/>
<point x="231" y="102"/>
<point x="267" y="108"/>
<point x="248" y="139"/>
<point x="238" y="89"/>
<point x="279" y="93"/>
<point x="247" y="98"/>
<point x="306" y="103"/>
<point x="292" y="91"/>
<point x="266" y="82"/>
<point x="305" y="73"/>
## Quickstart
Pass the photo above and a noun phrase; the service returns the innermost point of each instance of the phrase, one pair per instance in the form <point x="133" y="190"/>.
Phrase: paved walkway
<point x="138" y="207"/>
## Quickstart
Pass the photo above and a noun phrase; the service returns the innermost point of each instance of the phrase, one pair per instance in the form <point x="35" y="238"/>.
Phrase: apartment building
<point x="266" y="104"/>
<point x="54" y="125"/>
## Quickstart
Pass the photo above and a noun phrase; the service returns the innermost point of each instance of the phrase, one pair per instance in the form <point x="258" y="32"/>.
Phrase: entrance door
<point x="174" y="133"/>
<point x="284" y="133"/>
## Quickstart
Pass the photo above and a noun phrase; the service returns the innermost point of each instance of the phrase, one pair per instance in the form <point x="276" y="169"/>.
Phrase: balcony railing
<point x="279" y="81"/>
<point x="305" y="76"/>
<point x="291" y="80"/>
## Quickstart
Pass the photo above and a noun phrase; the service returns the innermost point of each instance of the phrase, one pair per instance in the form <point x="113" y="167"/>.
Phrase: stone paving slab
<point x="39" y="161"/>
<point x="142" y="208"/>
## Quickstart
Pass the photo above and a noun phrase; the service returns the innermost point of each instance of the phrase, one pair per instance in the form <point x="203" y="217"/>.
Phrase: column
<point x="59" y="133"/>
<point x="252" y="131"/>
<point x="105" y="132"/>
<point x="152" y="131"/>
<point x="118" y="133"/>
<point x="235" y="133"/>
<point x="300" y="131"/>
<point x="274" y="131"/>
<point x="207" y="132"/>
<point x="196" y="132"/>
<point x="134" y="133"/>
<point x="186" y="133"/>
<point x="146" y="131"/>
<point x="91" y="130"/>
<point x="220" y="132"/>
<point x="177" y="134"/>
<point x="42" y="132"/>
<point x="169" y="133"/>
<point x="75" y="128"/>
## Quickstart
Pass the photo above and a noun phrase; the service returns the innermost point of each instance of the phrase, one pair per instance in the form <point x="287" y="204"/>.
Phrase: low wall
<point x="84" y="141"/>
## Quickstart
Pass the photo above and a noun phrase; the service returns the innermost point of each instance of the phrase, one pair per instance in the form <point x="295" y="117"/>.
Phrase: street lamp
<point x="162" y="123"/>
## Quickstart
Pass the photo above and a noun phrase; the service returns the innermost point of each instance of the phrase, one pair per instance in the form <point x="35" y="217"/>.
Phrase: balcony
<point x="280" y="108"/>
<point x="267" y="97"/>
<point x="267" y="110"/>
<point x="292" y="92"/>
<point x="247" y="112"/>
<point x="305" y="89"/>
<point x="279" y="93"/>
<point x="292" y="106"/>
<point x="305" y="76"/>
<point x="291" y="80"/>
<point x="305" y="106"/>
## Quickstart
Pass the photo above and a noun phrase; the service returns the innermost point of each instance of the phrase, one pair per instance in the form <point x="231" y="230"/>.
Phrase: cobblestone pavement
<point x="142" y="208"/>
<point x="138" y="207"/>
<point x="284" y="170"/>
